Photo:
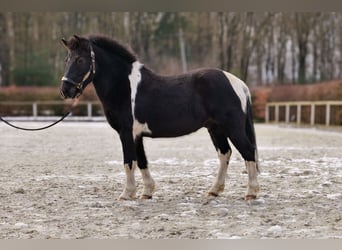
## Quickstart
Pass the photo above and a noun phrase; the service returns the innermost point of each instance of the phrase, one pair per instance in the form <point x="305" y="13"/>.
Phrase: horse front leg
<point x="149" y="184"/>
<point x="130" y="163"/>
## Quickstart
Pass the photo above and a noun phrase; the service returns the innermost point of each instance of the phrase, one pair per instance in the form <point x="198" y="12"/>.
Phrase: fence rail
<point x="303" y="112"/>
<point x="43" y="110"/>
<point x="316" y="112"/>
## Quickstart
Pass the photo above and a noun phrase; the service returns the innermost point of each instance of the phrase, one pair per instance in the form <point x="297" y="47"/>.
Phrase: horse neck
<point x="111" y="76"/>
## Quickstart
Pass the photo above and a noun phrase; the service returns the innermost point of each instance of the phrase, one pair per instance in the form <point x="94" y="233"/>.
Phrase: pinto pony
<point x="138" y="102"/>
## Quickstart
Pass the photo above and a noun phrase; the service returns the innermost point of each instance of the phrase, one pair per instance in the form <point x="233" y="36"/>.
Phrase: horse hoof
<point x="212" y="194"/>
<point x="125" y="198"/>
<point x="250" y="197"/>
<point x="146" y="197"/>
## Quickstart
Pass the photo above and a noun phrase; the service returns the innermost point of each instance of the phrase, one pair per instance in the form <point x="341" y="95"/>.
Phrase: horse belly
<point x="173" y="129"/>
<point x="175" y="125"/>
<point x="174" y="111"/>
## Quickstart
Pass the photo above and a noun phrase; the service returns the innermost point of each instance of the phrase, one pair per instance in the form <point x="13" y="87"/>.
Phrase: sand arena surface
<point x="64" y="183"/>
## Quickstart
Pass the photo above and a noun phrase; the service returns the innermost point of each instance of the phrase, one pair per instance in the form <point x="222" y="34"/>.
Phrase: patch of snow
<point x="333" y="196"/>
<point x="166" y="161"/>
<point x="162" y="217"/>
<point x="211" y="162"/>
<point x="20" y="225"/>
<point x="74" y="177"/>
<point x="275" y="229"/>
<point x="226" y="236"/>
<point x="114" y="162"/>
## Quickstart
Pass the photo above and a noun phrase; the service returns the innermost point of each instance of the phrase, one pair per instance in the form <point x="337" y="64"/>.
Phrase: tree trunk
<point x="303" y="51"/>
<point x="11" y="45"/>
<point x="221" y="41"/>
<point x="4" y="55"/>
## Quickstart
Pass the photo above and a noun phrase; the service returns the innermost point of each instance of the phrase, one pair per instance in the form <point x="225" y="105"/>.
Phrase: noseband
<point x="88" y="77"/>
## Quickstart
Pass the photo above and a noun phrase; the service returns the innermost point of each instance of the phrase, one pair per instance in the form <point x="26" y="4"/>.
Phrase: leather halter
<point x="89" y="76"/>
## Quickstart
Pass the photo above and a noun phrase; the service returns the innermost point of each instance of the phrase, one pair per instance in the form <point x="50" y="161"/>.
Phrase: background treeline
<point x="261" y="48"/>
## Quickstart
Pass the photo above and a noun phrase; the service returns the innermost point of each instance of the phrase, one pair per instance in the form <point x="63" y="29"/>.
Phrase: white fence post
<point x="287" y="113"/>
<point x="299" y="113"/>
<point x="89" y="109"/>
<point x="267" y="113"/>
<point x="35" y="109"/>
<point x="327" y="114"/>
<point x="276" y="113"/>
<point x="312" y="114"/>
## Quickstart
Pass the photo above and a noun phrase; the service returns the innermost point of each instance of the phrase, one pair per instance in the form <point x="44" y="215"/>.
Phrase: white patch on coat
<point x="240" y="89"/>
<point x="219" y="183"/>
<point x="148" y="182"/>
<point x="134" y="80"/>
<point x="130" y="188"/>
<point x="139" y="128"/>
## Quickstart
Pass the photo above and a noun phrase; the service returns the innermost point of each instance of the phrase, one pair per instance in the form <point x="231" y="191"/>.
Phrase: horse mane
<point x="113" y="46"/>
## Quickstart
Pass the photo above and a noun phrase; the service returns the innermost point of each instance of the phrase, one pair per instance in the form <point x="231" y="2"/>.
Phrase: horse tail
<point x="250" y="131"/>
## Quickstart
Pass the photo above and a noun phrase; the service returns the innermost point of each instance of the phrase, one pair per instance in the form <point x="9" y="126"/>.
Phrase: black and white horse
<point x="137" y="103"/>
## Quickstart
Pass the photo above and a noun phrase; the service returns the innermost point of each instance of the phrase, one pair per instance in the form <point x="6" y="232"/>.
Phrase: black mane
<point x="113" y="46"/>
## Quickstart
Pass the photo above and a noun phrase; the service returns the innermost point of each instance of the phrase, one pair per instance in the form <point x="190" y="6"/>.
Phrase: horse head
<point x="80" y="66"/>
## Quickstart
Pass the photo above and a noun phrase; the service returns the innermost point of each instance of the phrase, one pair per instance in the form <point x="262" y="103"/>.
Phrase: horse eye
<point x="80" y="60"/>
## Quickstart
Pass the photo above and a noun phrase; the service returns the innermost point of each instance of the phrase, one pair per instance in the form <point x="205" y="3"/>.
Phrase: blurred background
<point x="281" y="56"/>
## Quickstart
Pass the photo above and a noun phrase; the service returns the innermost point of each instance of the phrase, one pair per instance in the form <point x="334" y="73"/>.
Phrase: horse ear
<point x="65" y="43"/>
<point x="77" y="38"/>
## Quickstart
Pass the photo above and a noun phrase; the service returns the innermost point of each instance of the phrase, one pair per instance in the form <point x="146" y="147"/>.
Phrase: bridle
<point x="88" y="77"/>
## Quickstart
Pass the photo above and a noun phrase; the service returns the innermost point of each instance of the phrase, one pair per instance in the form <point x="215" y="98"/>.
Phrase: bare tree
<point x="242" y="43"/>
<point x="252" y="33"/>
<point x="4" y="55"/>
<point x="282" y="39"/>
<point x="303" y="23"/>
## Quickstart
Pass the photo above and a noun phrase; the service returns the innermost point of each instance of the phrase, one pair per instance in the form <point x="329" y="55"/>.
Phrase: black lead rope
<point x="35" y="129"/>
<point x="41" y="128"/>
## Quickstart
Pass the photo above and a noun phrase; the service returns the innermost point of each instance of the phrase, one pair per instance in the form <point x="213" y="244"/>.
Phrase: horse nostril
<point x="68" y="88"/>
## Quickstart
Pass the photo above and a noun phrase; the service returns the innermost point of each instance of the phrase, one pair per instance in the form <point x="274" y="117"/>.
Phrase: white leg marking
<point x="130" y="188"/>
<point x="218" y="186"/>
<point x="149" y="184"/>
<point x="240" y="89"/>
<point x="253" y="185"/>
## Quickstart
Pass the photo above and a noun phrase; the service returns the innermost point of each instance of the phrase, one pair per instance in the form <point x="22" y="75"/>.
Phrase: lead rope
<point x="42" y="128"/>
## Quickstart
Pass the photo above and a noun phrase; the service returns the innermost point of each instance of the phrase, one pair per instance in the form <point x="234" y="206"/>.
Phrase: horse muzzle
<point x="68" y="89"/>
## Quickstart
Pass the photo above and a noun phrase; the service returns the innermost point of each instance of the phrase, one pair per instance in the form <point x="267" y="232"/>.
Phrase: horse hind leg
<point x="224" y="152"/>
<point x="252" y="185"/>
<point x="247" y="149"/>
<point x="149" y="184"/>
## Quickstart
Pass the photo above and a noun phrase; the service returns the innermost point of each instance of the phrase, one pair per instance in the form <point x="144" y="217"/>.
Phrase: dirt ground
<point x="64" y="183"/>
